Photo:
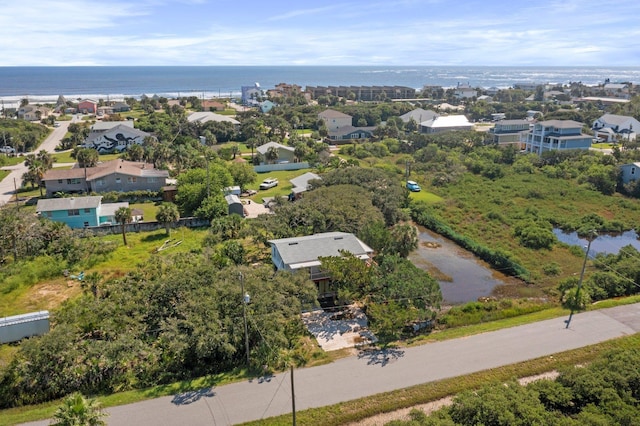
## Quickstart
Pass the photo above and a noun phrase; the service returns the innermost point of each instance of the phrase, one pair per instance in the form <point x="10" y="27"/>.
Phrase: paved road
<point x="365" y="375"/>
<point x="9" y="184"/>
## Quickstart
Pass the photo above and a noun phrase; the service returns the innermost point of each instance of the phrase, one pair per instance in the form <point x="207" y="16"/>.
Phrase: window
<point x="59" y="180"/>
<point x="117" y="180"/>
<point x="152" y="180"/>
<point x="100" y="182"/>
<point x="633" y="170"/>
<point x="73" y="212"/>
<point x="131" y="179"/>
<point x="74" y="181"/>
<point x="87" y="210"/>
<point x="86" y="224"/>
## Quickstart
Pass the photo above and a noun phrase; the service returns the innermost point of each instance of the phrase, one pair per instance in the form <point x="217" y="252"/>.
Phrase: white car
<point x="269" y="183"/>
<point x="7" y="149"/>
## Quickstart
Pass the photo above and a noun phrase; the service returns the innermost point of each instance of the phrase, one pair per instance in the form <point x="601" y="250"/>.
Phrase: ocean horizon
<point x="45" y="84"/>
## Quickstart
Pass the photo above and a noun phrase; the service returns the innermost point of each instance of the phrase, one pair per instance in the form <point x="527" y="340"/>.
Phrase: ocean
<point x="45" y="84"/>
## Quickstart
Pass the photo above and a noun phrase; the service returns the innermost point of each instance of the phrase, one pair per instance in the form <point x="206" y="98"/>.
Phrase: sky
<point x="357" y="32"/>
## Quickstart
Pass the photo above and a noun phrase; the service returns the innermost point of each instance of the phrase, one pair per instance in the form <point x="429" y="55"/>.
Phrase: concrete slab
<point x="339" y="330"/>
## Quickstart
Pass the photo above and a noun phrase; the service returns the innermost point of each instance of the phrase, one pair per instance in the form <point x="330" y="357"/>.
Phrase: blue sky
<point x="277" y="32"/>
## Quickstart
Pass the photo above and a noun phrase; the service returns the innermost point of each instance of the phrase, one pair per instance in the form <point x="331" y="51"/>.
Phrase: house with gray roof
<point x="611" y="127"/>
<point x="301" y="184"/>
<point x="418" y="115"/>
<point x="304" y="253"/>
<point x="115" y="139"/>
<point x="79" y="212"/>
<point x="629" y="172"/>
<point x="205" y="116"/>
<point x="285" y="153"/>
<point x="509" y="132"/>
<point x="556" y="135"/>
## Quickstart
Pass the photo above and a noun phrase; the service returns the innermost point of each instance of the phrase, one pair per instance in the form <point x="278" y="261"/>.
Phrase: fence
<point x="189" y="222"/>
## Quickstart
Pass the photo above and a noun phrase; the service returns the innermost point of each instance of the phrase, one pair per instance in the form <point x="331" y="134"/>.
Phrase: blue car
<point x="413" y="186"/>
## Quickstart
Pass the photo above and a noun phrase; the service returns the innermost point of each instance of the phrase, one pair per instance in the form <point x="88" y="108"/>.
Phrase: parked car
<point x="269" y="183"/>
<point x="7" y="149"/>
<point x="413" y="186"/>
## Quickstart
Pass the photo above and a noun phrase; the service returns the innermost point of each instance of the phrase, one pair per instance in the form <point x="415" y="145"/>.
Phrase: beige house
<point x="335" y="119"/>
<point x="33" y="112"/>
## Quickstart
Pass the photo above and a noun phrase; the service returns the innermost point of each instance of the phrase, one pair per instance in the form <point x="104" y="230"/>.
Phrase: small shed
<point x="17" y="327"/>
<point x="235" y="205"/>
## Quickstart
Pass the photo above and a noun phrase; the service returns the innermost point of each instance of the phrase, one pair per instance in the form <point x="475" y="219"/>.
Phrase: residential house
<point x="250" y="95"/>
<point x="351" y="132"/>
<point x="301" y="184"/>
<point x="88" y="106"/>
<point x="508" y="132"/>
<point x="612" y="127"/>
<point x="33" y="112"/>
<point x="285" y="153"/>
<point x="556" y="135"/>
<point x="418" y="115"/>
<point x="79" y="212"/>
<point x="446" y="123"/>
<point x="116" y="139"/>
<point x="115" y="175"/>
<point x="617" y="90"/>
<point x="284" y="90"/>
<point x="304" y="253"/>
<point x="104" y="126"/>
<point x="266" y="106"/>
<point x="334" y="120"/>
<point x="120" y="107"/>
<point x="464" y="91"/>
<point x="629" y="172"/>
<point x="205" y="116"/>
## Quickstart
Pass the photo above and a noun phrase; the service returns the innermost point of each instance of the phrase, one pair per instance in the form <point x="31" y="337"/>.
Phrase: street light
<point x="245" y="301"/>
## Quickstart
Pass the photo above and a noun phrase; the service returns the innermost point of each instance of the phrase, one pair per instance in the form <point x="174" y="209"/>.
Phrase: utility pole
<point x="245" y="300"/>
<point x="591" y="237"/>
<point x="293" y="398"/>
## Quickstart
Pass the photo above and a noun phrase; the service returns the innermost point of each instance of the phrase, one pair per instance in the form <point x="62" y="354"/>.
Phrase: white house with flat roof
<point x="446" y="123"/>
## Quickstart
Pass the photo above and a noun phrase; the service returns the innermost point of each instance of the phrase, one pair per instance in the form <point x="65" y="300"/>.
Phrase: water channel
<point x="462" y="276"/>
<point x="604" y="243"/>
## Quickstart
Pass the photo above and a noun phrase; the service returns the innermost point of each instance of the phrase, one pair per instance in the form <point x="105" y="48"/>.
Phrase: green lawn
<point x="4" y="174"/>
<point x="284" y="186"/>
<point x="65" y="157"/>
<point x="426" y="196"/>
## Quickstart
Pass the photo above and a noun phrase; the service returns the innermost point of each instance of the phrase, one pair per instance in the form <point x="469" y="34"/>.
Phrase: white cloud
<point x="158" y="32"/>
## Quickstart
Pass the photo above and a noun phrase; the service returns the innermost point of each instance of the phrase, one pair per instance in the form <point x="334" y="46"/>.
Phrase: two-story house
<point x="79" y="212"/>
<point x="33" y="112"/>
<point x="612" y="127"/>
<point x="334" y="120"/>
<point x="303" y="253"/>
<point x="116" y="139"/>
<point x="509" y="132"/>
<point x="556" y="135"/>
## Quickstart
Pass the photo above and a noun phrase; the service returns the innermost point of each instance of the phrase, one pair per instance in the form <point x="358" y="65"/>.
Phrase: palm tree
<point x="36" y="172"/>
<point x="76" y="410"/>
<point x="123" y="216"/>
<point x="272" y="154"/>
<point x="167" y="214"/>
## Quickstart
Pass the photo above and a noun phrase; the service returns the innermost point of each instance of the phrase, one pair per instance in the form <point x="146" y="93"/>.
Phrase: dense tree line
<point x="171" y="319"/>
<point x="21" y="135"/>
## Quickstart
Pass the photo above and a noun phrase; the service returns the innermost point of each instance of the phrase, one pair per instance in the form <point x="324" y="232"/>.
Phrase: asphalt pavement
<point x="373" y="372"/>
<point x="14" y="180"/>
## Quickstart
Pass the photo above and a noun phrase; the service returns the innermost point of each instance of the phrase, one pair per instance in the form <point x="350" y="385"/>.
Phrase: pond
<point x="462" y="277"/>
<point x="605" y="243"/>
